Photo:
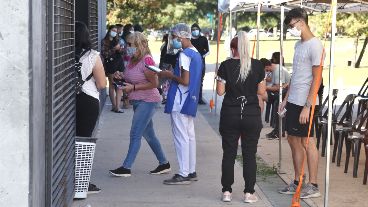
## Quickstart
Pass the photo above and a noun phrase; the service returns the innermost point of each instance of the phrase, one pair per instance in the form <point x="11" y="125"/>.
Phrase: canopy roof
<point x="274" y="5"/>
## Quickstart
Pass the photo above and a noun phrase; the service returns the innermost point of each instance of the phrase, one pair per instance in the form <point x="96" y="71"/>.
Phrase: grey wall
<point x="14" y="102"/>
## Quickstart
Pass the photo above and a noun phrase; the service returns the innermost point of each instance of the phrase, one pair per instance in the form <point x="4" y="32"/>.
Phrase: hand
<point x="304" y="115"/>
<point x="282" y="106"/>
<point x="166" y="74"/>
<point x="117" y="47"/>
<point x="128" y="88"/>
<point x="118" y="75"/>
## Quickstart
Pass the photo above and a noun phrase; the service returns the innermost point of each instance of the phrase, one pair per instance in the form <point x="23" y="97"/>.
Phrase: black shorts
<point x="293" y="126"/>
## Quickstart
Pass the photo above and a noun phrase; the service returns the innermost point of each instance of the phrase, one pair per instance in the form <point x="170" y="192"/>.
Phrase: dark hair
<point x="234" y="43"/>
<point x="119" y="25"/>
<point x="107" y="36"/>
<point x="296" y="13"/>
<point x="275" y="58"/>
<point x="82" y="39"/>
<point x="126" y="30"/>
<point x="138" y="28"/>
<point x="165" y="38"/>
<point x="265" y="62"/>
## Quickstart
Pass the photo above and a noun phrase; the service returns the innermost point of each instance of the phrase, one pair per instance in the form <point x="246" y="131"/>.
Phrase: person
<point x="274" y="88"/>
<point x="128" y="29"/>
<point x="111" y="52"/>
<point x="138" y="28"/>
<point x="141" y="85"/>
<point x="303" y="87"/>
<point x="167" y="62"/>
<point x="120" y="35"/>
<point x="270" y="98"/>
<point x="87" y="102"/>
<point x="241" y="79"/>
<point x="182" y="102"/>
<point x="202" y="45"/>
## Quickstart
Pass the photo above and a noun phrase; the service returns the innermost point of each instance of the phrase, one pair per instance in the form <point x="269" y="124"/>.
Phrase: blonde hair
<point x="141" y="43"/>
<point x="245" y="59"/>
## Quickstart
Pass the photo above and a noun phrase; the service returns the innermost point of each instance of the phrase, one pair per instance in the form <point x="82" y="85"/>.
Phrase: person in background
<point x="167" y="62"/>
<point x="138" y="28"/>
<point x="182" y="102"/>
<point x="268" y="78"/>
<point x="303" y="87"/>
<point x="241" y="79"/>
<point x="202" y="45"/>
<point x="141" y="85"/>
<point x="120" y="34"/>
<point x="275" y="89"/>
<point x="111" y="53"/>
<point x="87" y="102"/>
<point x="128" y="29"/>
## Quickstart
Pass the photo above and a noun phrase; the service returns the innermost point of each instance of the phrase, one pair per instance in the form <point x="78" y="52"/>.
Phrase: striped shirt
<point x="134" y="74"/>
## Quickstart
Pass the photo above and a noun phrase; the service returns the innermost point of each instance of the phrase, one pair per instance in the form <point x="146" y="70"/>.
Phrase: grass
<point x="263" y="170"/>
<point x="344" y="76"/>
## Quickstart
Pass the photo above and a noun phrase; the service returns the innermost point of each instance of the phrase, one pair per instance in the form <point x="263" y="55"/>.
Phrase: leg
<point x="139" y="124"/>
<point x="152" y="140"/>
<point x="357" y="146"/>
<point x="203" y="73"/>
<point x="249" y="140"/>
<point x="112" y="90"/>
<point x="87" y="110"/>
<point x="192" y="145"/>
<point x="119" y="94"/>
<point x="312" y="160"/>
<point x="348" y="150"/>
<point x="181" y="141"/>
<point x="298" y="153"/>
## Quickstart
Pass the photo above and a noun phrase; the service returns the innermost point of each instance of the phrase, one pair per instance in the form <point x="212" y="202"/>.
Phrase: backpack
<point x="78" y="66"/>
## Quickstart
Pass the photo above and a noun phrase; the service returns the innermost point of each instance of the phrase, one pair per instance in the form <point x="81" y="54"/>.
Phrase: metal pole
<point x="280" y="83"/>
<point x="230" y="25"/>
<point x="330" y="89"/>
<point x="258" y="26"/>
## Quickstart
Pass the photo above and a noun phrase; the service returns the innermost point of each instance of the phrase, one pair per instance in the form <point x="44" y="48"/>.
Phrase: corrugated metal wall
<point x="93" y="22"/>
<point x="60" y="103"/>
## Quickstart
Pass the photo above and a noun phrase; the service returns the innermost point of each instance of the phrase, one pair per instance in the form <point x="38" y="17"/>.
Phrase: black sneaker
<point x="121" y="172"/>
<point x="193" y="176"/>
<point x="161" y="169"/>
<point x="177" y="180"/>
<point x="271" y="134"/>
<point x="92" y="188"/>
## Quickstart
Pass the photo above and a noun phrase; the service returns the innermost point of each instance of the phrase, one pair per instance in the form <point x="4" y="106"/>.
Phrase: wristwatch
<point x="307" y="104"/>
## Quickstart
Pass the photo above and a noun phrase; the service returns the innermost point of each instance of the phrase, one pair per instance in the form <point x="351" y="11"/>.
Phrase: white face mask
<point x="295" y="32"/>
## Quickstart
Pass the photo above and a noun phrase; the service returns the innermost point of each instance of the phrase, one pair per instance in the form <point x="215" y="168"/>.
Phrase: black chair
<point x="321" y="122"/>
<point x="342" y="127"/>
<point x="363" y="92"/>
<point x="356" y="137"/>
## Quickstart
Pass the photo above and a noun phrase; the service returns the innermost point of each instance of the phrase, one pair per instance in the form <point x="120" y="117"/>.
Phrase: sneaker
<point x="177" y="180"/>
<point x="273" y="136"/>
<point x="161" y="169"/>
<point x="193" y="176"/>
<point x="121" y="172"/>
<point x="92" y="188"/>
<point x="250" y="198"/>
<point x="310" y="191"/>
<point x="288" y="190"/>
<point x="226" y="196"/>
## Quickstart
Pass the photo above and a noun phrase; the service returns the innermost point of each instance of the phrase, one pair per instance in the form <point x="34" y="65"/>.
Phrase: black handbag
<point x="78" y="66"/>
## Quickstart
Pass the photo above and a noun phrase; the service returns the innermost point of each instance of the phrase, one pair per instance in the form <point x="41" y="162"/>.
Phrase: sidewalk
<point x="143" y="189"/>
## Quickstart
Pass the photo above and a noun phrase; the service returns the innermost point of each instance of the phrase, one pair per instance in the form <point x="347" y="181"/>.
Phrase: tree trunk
<point x="357" y="64"/>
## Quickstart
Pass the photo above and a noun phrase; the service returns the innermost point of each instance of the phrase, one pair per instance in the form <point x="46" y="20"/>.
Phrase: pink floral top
<point x="134" y="74"/>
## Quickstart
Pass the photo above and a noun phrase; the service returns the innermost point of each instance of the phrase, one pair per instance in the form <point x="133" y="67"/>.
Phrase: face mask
<point x="113" y="34"/>
<point x="295" y="32"/>
<point x="195" y="33"/>
<point x="176" y="44"/>
<point x="132" y="31"/>
<point x="131" y="51"/>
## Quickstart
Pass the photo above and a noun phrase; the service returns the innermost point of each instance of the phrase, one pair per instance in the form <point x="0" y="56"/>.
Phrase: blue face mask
<point x="113" y="34"/>
<point x="176" y="44"/>
<point x="195" y="33"/>
<point x="131" y="51"/>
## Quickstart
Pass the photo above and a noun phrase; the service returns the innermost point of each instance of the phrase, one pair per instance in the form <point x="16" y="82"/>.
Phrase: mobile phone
<point x="153" y="68"/>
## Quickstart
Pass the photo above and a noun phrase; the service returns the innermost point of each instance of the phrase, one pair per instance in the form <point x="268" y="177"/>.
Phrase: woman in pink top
<point x="141" y="86"/>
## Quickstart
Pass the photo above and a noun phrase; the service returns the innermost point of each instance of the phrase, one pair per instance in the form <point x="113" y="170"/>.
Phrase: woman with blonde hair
<point x="241" y="79"/>
<point x="141" y="86"/>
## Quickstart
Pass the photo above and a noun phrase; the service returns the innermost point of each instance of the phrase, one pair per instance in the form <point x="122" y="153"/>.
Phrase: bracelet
<point x="218" y="78"/>
<point x="134" y="87"/>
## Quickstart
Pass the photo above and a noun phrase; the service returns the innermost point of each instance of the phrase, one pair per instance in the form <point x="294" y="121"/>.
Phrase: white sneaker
<point x="250" y="198"/>
<point x="226" y="196"/>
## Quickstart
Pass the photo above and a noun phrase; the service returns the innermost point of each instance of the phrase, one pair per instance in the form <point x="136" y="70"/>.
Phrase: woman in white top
<point x="88" y="106"/>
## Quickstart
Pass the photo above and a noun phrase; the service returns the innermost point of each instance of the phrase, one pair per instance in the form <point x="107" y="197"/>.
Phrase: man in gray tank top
<point x="304" y="84"/>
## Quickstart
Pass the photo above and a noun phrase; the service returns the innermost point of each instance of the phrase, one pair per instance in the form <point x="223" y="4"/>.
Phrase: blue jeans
<point x="142" y="125"/>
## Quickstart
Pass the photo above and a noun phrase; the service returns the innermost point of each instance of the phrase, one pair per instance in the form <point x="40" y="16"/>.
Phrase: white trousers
<point x="185" y="144"/>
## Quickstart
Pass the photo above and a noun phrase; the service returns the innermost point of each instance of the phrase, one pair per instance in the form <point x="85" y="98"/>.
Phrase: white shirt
<point x="88" y="61"/>
<point x="182" y="92"/>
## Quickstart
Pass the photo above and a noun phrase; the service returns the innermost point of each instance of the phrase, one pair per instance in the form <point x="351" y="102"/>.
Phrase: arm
<point x="261" y="92"/>
<point x="152" y="83"/>
<point x="220" y="87"/>
<point x="316" y="82"/>
<point x="207" y="49"/>
<point x="99" y="74"/>
<point x="183" y="79"/>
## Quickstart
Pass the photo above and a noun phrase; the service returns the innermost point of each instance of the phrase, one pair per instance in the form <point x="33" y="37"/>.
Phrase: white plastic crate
<point x="84" y="153"/>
